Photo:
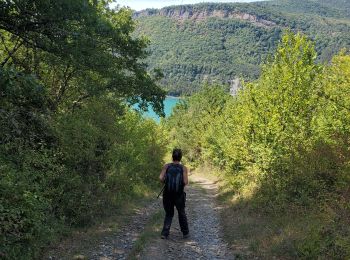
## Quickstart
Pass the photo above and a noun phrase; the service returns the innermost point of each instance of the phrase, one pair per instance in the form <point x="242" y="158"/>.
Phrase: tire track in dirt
<point x="120" y="244"/>
<point x="205" y="240"/>
<point x="108" y="244"/>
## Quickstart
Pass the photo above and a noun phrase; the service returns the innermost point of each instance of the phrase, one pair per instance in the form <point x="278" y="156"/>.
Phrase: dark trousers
<point x="169" y="201"/>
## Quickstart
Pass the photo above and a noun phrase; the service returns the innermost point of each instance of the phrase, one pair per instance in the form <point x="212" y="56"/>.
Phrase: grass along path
<point x="117" y="238"/>
<point x="255" y="232"/>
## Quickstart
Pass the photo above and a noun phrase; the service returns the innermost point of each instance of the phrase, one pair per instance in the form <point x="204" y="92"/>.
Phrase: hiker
<point x="175" y="178"/>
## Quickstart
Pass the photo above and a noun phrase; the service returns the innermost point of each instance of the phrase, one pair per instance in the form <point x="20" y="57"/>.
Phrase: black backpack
<point x="174" y="181"/>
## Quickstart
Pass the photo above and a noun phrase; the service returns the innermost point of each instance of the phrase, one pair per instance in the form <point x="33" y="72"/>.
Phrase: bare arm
<point x="162" y="173"/>
<point x="185" y="175"/>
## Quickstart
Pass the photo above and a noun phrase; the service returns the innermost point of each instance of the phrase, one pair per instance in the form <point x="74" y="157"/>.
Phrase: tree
<point x="78" y="49"/>
<point x="67" y="69"/>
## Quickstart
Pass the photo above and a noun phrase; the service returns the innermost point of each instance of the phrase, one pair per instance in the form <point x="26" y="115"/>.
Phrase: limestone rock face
<point x="189" y="12"/>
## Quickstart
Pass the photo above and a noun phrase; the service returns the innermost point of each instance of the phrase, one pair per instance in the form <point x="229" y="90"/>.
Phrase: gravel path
<point x="205" y="240"/>
<point x="119" y="245"/>
<point x="107" y="244"/>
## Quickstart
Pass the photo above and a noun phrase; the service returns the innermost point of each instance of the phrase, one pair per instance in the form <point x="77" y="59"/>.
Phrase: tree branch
<point x="18" y="44"/>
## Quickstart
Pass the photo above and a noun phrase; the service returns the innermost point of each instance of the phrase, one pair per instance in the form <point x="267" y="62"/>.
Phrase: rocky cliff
<point x="190" y="12"/>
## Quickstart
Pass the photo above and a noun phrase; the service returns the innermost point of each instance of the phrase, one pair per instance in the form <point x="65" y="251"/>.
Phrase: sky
<point x="143" y="4"/>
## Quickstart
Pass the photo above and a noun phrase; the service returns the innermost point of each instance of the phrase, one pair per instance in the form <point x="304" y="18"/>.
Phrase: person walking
<point x="175" y="177"/>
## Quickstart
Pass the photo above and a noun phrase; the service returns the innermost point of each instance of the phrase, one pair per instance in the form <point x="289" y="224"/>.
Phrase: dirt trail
<point x="205" y="240"/>
<point x="104" y="244"/>
<point x="120" y="244"/>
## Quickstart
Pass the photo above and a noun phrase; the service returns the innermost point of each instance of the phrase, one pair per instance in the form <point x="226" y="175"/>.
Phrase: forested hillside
<point x="215" y="43"/>
<point x="329" y="8"/>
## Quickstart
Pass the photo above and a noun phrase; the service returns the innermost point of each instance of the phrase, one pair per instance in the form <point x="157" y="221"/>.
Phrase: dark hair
<point x="177" y="154"/>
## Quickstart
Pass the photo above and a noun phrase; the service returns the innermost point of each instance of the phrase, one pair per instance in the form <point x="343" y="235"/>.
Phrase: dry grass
<point x="254" y="232"/>
<point x="81" y="240"/>
<point x="257" y="233"/>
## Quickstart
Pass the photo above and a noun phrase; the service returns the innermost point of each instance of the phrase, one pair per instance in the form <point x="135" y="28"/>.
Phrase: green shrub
<point x="282" y="141"/>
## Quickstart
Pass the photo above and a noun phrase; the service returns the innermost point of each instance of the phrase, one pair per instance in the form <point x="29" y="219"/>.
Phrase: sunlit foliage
<point x="285" y="137"/>
<point x="71" y="151"/>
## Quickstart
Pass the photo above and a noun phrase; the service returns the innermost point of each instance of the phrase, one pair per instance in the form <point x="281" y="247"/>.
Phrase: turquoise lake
<point x="169" y="104"/>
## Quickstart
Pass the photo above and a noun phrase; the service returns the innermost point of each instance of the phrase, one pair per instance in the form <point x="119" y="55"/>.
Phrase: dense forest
<point x="282" y="147"/>
<point x="71" y="151"/>
<point x="218" y="42"/>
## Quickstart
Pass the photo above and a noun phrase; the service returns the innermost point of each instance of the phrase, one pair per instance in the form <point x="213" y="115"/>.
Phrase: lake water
<point x="169" y="104"/>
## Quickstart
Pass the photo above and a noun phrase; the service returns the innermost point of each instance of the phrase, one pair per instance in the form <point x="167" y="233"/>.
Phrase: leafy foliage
<point x="284" y="138"/>
<point x="78" y="50"/>
<point x="70" y="149"/>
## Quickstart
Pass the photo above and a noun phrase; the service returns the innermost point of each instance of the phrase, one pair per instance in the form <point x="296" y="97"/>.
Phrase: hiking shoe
<point x="186" y="236"/>
<point x="164" y="237"/>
